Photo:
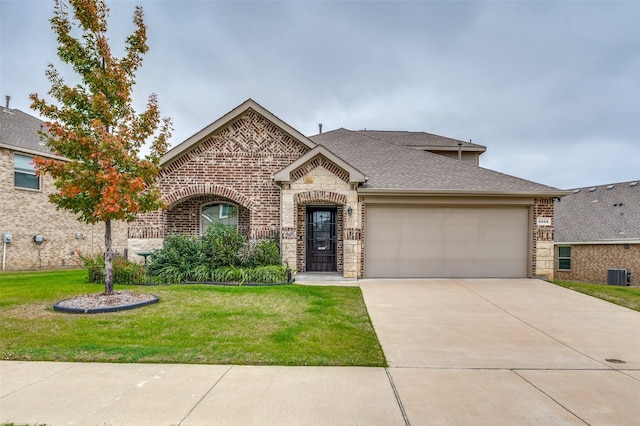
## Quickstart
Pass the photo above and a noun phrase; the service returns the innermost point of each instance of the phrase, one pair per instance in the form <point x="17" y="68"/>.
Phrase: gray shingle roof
<point x="390" y="166"/>
<point x="20" y="130"/>
<point x="419" y="139"/>
<point x="590" y="214"/>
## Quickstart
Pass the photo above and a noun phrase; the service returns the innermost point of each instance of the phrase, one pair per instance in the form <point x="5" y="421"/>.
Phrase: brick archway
<point x="208" y="189"/>
<point x="311" y="197"/>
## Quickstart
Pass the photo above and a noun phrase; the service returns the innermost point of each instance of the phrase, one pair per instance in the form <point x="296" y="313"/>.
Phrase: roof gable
<point x="224" y="121"/>
<point x="285" y="175"/>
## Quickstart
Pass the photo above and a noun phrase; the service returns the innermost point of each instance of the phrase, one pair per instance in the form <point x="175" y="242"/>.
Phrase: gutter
<point x="32" y="152"/>
<point x="460" y="192"/>
<point x="597" y="242"/>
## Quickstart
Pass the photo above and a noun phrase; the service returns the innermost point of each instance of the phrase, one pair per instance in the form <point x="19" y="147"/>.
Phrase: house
<point x="38" y="236"/>
<point x="597" y="229"/>
<point x="360" y="203"/>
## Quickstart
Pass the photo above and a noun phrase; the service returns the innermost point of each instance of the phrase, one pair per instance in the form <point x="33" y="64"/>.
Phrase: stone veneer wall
<point x="320" y="182"/>
<point x="26" y="212"/>
<point x="542" y="261"/>
<point x="590" y="262"/>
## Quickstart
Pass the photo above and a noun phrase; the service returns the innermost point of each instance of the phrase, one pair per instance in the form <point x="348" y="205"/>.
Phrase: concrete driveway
<point x="484" y="351"/>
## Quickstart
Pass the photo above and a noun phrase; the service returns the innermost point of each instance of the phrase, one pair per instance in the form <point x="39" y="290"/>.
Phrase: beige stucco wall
<point x="25" y="213"/>
<point x="321" y="181"/>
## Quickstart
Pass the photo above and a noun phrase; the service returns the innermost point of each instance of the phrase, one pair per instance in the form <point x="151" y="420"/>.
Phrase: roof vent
<point x="593" y="188"/>
<point x="575" y="191"/>
<point x="634" y="183"/>
<point x="610" y="186"/>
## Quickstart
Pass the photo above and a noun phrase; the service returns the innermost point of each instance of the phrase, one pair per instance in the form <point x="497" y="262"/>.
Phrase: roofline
<point x="355" y="175"/>
<point x="182" y="147"/>
<point x="447" y="148"/>
<point x="598" y="242"/>
<point x="32" y="152"/>
<point x="460" y="192"/>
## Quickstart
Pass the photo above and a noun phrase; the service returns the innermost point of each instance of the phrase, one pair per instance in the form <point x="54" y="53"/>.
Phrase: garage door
<point x="456" y="242"/>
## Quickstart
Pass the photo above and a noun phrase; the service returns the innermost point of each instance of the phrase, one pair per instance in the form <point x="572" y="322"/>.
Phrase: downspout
<point x="4" y="252"/>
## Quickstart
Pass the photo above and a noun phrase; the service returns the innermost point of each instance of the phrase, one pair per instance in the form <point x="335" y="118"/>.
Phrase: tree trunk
<point x="108" y="259"/>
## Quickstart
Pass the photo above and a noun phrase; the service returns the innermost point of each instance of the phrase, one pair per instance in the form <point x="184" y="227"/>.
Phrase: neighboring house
<point x="41" y="236"/>
<point x="597" y="229"/>
<point x="361" y="203"/>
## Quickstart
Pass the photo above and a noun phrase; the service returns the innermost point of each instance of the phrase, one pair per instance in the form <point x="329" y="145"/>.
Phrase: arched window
<point x="224" y="213"/>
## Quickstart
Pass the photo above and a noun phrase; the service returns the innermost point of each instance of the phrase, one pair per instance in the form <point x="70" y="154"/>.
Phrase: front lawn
<point x="629" y="297"/>
<point x="278" y="325"/>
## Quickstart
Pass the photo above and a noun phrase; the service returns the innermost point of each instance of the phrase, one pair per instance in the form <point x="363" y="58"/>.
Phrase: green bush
<point x="124" y="271"/>
<point x="222" y="254"/>
<point x="177" y="260"/>
<point x="263" y="252"/>
<point x="220" y="245"/>
<point x="271" y="274"/>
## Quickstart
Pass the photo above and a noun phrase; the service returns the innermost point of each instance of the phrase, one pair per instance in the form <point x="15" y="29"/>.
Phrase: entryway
<point x="322" y="247"/>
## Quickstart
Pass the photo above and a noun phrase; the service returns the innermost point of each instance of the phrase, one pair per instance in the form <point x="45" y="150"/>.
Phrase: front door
<point x="321" y="239"/>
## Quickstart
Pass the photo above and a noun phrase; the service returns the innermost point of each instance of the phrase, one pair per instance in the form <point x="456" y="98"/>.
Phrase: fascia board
<point x="460" y="192"/>
<point x="184" y="146"/>
<point x="447" y="148"/>
<point x="597" y="242"/>
<point x="32" y="152"/>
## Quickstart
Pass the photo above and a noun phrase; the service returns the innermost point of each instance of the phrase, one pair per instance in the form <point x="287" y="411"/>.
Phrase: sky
<point x="551" y="88"/>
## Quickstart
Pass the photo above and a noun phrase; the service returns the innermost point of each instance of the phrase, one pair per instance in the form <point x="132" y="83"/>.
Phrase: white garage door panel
<point x="418" y="241"/>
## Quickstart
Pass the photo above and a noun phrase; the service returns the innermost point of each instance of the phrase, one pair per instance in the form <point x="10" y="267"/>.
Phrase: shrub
<point x="271" y="274"/>
<point x="263" y="252"/>
<point x="220" y="245"/>
<point x="178" y="258"/>
<point x="222" y="254"/>
<point x="124" y="271"/>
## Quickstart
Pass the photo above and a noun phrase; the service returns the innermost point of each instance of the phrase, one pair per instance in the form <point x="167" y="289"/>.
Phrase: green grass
<point x="629" y="297"/>
<point x="278" y="325"/>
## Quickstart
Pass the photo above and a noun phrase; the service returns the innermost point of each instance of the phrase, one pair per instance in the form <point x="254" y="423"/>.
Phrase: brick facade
<point x="235" y="165"/>
<point x="543" y="235"/>
<point x="590" y="262"/>
<point x="25" y="213"/>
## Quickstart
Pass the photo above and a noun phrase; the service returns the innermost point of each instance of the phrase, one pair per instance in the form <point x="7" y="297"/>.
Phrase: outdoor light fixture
<point x="349" y="211"/>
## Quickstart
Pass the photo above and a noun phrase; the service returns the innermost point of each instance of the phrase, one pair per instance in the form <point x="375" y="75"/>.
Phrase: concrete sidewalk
<point x="461" y="352"/>
<point x="155" y="394"/>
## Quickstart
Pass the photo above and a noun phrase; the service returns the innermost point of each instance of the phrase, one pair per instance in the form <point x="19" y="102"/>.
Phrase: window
<point x="564" y="258"/>
<point x="25" y="172"/>
<point x="227" y="214"/>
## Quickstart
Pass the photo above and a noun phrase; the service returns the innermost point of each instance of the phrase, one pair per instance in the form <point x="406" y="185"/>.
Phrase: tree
<point x="95" y="127"/>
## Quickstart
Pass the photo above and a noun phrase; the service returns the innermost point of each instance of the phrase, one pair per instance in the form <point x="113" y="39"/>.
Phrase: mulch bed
<point x="103" y="303"/>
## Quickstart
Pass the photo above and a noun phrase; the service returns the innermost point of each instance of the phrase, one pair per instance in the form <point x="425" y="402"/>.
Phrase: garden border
<point x="66" y="310"/>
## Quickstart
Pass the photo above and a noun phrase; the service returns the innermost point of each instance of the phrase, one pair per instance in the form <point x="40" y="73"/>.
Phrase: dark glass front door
<point x="321" y="239"/>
